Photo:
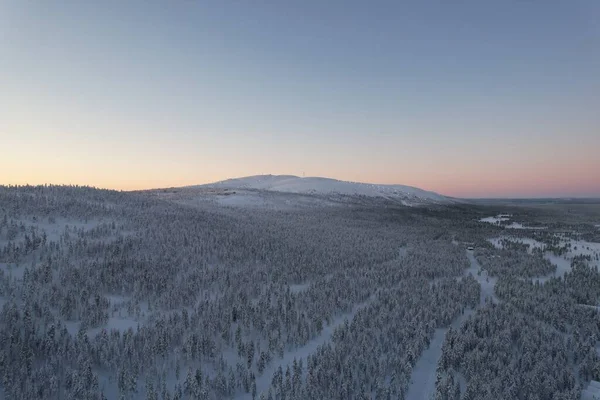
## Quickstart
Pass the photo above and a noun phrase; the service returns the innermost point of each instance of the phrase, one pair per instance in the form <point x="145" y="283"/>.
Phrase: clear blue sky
<point x="467" y="98"/>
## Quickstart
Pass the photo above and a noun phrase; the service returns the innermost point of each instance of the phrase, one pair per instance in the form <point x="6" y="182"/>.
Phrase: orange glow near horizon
<point x="132" y="161"/>
<point x="132" y="97"/>
<point x="576" y="181"/>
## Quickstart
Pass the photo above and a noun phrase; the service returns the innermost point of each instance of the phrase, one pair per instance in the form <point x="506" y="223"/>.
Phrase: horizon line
<point x="504" y="198"/>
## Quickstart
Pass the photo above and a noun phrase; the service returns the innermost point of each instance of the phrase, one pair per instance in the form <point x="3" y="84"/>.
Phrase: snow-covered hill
<point x="325" y="186"/>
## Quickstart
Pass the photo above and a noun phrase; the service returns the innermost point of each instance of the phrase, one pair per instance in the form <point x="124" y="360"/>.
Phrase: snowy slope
<point x="326" y="186"/>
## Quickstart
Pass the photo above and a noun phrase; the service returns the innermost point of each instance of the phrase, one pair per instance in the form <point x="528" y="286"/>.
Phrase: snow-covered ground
<point x="16" y="271"/>
<point x="497" y="242"/>
<point x="119" y="319"/>
<point x="242" y="200"/>
<point x="487" y="282"/>
<point x="494" y="220"/>
<point x="592" y="392"/>
<point x="423" y="376"/>
<point x="57" y="226"/>
<point x="299" y="287"/>
<point x="506" y="217"/>
<point x="266" y="199"/>
<point x="516" y="225"/>
<point x="582" y="247"/>
<point x="327" y="186"/>
<point x="120" y="324"/>
<point x="247" y="198"/>
<point x="562" y="263"/>
<point x="562" y="266"/>
<point x="264" y="381"/>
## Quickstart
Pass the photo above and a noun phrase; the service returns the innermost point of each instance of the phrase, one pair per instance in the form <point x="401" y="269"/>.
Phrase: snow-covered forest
<point x="154" y="295"/>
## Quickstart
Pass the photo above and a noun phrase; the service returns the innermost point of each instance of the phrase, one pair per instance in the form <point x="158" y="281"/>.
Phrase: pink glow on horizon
<point x="575" y="181"/>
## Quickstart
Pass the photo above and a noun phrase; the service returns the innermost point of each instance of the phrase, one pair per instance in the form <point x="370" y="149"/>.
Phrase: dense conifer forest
<point x="150" y="295"/>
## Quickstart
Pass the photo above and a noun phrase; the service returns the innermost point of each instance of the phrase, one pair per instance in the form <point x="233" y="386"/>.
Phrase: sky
<point x="465" y="98"/>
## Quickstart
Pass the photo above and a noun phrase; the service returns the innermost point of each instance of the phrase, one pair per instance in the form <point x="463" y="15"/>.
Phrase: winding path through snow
<point x="486" y="281"/>
<point x="422" y="382"/>
<point x="264" y="381"/>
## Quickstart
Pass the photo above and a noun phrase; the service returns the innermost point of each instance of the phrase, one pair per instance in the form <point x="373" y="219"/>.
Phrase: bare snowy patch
<point x="115" y="323"/>
<point x="12" y="270"/>
<point x="55" y="227"/>
<point x="299" y="287"/>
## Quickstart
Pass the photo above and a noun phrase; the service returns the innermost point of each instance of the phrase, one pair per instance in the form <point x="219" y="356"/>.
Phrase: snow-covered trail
<point x="264" y="381"/>
<point x="487" y="282"/>
<point x="422" y="382"/>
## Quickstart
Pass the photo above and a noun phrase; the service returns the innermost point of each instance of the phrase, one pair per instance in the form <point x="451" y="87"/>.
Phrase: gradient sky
<point x="466" y="98"/>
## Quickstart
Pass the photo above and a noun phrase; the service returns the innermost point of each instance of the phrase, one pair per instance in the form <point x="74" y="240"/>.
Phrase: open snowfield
<point x="206" y="197"/>
<point x="268" y="200"/>
<point x="326" y="186"/>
